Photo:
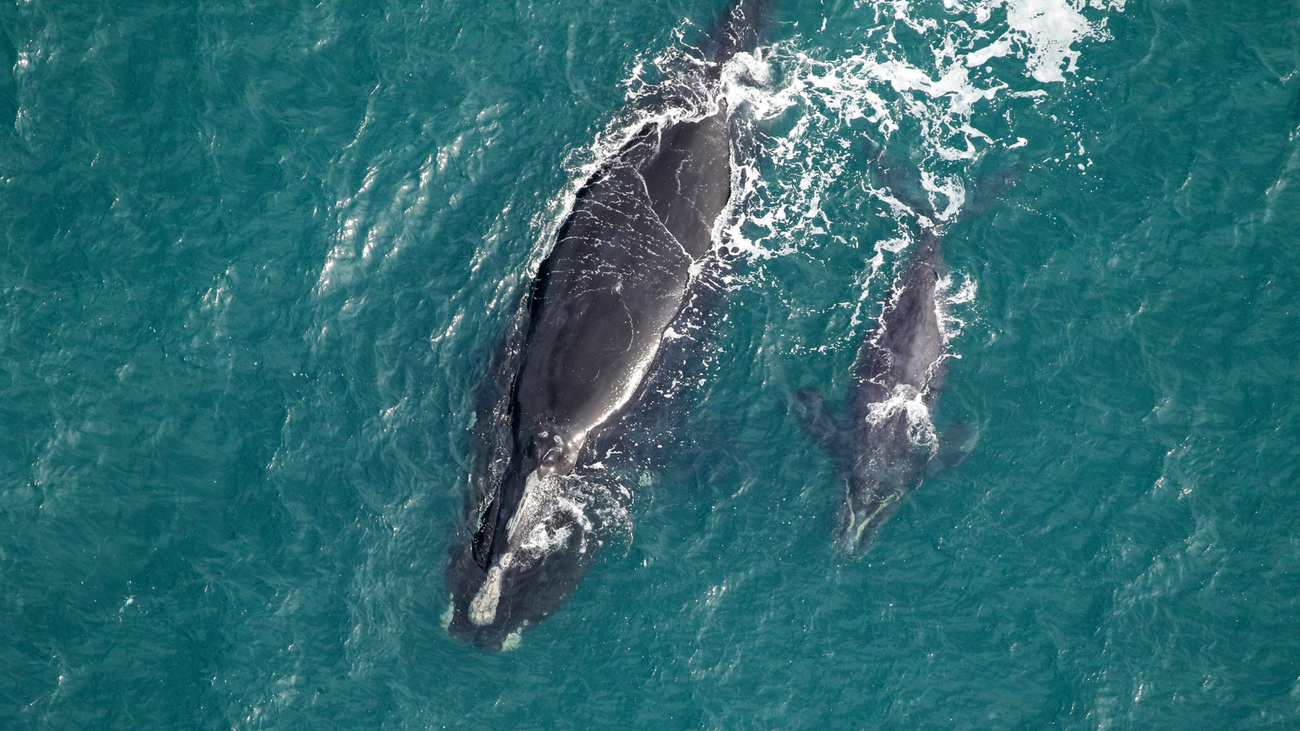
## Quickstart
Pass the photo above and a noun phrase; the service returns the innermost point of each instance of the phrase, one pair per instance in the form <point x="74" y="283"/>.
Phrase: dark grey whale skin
<point x="619" y="275"/>
<point x="876" y="460"/>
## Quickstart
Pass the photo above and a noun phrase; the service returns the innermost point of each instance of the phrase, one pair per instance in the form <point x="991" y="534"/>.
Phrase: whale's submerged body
<point x="885" y="440"/>
<point x="885" y="443"/>
<point x="619" y="275"/>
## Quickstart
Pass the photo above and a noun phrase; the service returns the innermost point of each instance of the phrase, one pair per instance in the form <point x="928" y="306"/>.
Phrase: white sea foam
<point x="1043" y="31"/>
<point x="827" y="101"/>
<point x="908" y="402"/>
<point x="954" y="292"/>
<point x="561" y="511"/>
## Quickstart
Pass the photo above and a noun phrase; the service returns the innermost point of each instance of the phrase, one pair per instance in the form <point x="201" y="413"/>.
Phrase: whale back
<point x="907" y="346"/>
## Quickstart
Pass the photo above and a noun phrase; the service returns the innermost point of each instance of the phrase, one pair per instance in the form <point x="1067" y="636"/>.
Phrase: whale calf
<point x="885" y="442"/>
<point x="620" y="273"/>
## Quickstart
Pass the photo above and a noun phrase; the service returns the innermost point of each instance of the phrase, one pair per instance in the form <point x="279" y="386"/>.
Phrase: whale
<point x="884" y="444"/>
<point x="591" y="332"/>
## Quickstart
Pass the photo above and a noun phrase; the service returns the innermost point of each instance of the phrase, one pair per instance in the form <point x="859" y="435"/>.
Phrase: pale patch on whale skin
<point x="514" y="639"/>
<point x="483" y="610"/>
<point x="448" y="614"/>
<point x="529" y="507"/>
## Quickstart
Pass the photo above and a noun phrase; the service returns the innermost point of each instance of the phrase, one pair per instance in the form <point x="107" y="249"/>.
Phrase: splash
<point x="566" y="512"/>
<point x="1042" y="31"/>
<point x="956" y="293"/>
<point x="907" y="403"/>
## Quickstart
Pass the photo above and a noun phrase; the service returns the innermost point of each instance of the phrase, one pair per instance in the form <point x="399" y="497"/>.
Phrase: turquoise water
<point x="256" y="257"/>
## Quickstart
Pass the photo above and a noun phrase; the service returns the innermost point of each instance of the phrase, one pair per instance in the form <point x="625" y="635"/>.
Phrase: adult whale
<point x="885" y="443"/>
<point x="618" y="276"/>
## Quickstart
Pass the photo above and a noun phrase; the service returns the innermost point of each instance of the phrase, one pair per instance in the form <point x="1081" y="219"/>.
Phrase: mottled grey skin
<point x="617" y="278"/>
<point x="881" y="452"/>
<point x="879" y="457"/>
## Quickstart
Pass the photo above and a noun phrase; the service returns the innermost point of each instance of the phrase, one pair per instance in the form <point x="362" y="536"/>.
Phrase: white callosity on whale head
<point x="483" y="610"/>
<point x="449" y="614"/>
<point x="513" y="640"/>
<point x="860" y="520"/>
<point x="528" y="505"/>
<point x="538" y="502"/>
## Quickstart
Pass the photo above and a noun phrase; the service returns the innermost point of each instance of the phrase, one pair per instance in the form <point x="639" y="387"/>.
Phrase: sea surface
<point x="255" y="257"/>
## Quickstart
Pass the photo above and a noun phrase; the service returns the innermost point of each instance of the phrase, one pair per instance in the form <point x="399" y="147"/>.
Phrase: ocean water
<point x="256" y="256"/>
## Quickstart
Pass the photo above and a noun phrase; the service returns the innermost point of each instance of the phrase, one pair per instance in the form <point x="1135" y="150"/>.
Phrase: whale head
<point x="868" y="506"/>
<point x="875" y="488"/>
<point x="539" y="553"/>
<point x="492" y="609"/>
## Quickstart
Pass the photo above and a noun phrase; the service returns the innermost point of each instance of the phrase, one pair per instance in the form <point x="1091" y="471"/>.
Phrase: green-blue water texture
<point x="255" y="257"/>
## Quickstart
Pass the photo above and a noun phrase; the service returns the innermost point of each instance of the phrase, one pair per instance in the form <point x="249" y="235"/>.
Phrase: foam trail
<point x="889" y="88"/>
<point x="924" y="79"/>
